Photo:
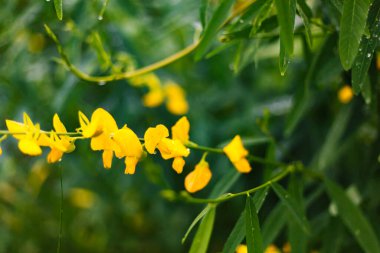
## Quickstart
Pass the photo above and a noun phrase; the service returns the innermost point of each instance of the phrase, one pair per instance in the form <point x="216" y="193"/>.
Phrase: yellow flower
<point x="272" y="249"/>
<point x="198" y="178"/>
<point x="156" y="137"/>
<point x="176" y="100"/>
<point x="180" y="131"/>
<point x="242" y="248"/>
<point x="345" y="94"/>
<point x="153" y="136"/>
<point x="28" y="135"/>
<point x="58" y="144"/>
<point x="150" y="80"/>
<point x="154" y="98"/>
<point x="82" y="198"/>
<point x="101" y="130"/>
<point x="1" y="151"/>
<point x="129" y="147"/>
<point x="287" y="248"/>
<point x="236" y="152"/>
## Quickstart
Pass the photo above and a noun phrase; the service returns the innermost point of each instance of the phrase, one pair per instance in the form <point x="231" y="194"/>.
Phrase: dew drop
<point x="368" y="55"/>
<point x="99" y="17"/>
<point x="101" y="83"/>
<point x="360" y="49"/>
<point x="47" y="0"/>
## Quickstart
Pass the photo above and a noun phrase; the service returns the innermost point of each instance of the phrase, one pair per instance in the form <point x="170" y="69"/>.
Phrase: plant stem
<point x="187" y="198"/>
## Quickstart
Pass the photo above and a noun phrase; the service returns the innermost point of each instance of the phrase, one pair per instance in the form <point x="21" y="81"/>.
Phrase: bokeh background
<point x="228" y="94"/>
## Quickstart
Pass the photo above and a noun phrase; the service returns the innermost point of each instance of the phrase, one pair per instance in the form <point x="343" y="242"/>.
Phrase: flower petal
<point x="107" y="158"/>
<point x="180" y="131"/>
<point x="130" y="164"/>
<point x="29" y="147"/>
<point x="235" y="149"/>
<point x="153" y="135"/>
<point x="198" y="178"/>
<point x="54" y="156"/>
<point x="178" y="164"/>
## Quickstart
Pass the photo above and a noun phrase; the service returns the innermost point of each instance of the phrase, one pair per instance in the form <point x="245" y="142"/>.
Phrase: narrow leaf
<point x="366" y="49"/>
<point x="273" y="224"/>
<point x="225" y="183"/>
<point x="236" y="236"/>
<point x="195" y="221"/>
<point x="353" y="218"/>
<point x="306" y="14"/>
<point x="253" y="233"/>
<point x="291" y="204"/>
<point x="286" y="16"/>
<point x="352" y="25"/>
<point x="238" y="232"/>
<point x="213" y="26"/>
<point x="202" y="237"/>
<point x="58" y="8"/>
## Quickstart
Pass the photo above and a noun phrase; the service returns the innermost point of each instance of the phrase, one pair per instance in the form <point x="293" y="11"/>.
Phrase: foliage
<point x="288" y="89"/>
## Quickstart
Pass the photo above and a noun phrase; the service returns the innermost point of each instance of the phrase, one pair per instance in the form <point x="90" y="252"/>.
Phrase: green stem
<point x="119" y="76"/>
<point x="228" y="196"/>
<point x="6" y="132"/>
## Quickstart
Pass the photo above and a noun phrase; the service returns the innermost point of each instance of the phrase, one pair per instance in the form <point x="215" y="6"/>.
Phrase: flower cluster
<point x="106" y="136"/>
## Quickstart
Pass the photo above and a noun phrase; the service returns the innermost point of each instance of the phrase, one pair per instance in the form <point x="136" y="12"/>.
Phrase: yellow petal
<point x="16" y="127"/>
<point x="29" y="147"/>
<point x="177" y="106"/>
<point x="128" y="142"/>
<point x="54" y="156"/>
<point x="58" y="125"/>
<point x="176" y="100"/>
<point x="172" y="148"/>
<point x="27" y="121"/>
<point x="89" y="129"/>
<point x="104" y="121"/>
<point x="235" y="149"/>
<point x="107" y="158"/>
<point x="153" y="135"/>
<point x="242" y="248"/>
<point x="178" y="164"/>
<point x="272" y="249"/>
<point x="198" y="178"/>
<point x="180" y="131"/>
<point x="242" y="166"/>
<point x="130" y="164"/>
<point x="43" y="140"/>
<point x="154" y="98"/>
<point x="1" y="151"/>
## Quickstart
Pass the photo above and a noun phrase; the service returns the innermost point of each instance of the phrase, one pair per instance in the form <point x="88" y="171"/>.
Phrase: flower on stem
<point x="157" y="137"/>
<point x="242" y="248"/>
<point x="129" y="147"/>
<point x="58" y="144"/>
<point x="199" y="177"/>
<point x="28" y="135"/>
<point x="345" y="94"/>
<point x="101" y="130"/>
<point x="236" y="153"/>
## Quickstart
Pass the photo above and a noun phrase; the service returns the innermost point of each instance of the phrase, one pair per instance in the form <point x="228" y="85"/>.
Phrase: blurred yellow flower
<point x="345" y="94"/>
<point x="129" y="147"/>
<point x="28" y="135"/>
<point x="272" y="249"/>
<point x="82" y="198"/>
<point x="1" y="151"/>
<point x="242" y="248"/>
<point x="236" y="152"/>
<point x="287" y="248"/>
<point x="176" y="100"/>
<point x="198" y="178"/>
<point x="154" y="98"/>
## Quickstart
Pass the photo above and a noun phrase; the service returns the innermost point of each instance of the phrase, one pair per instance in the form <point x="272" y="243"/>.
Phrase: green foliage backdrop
<point x="270" y="71"/>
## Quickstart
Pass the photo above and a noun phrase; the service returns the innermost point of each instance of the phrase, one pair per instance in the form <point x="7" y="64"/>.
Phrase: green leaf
<point x="263" y="12"/>
<point x="274" y="224"/>
<point x="238" y="232"/>
<point x="306" y="14"/>
<point x="195" y="221"/>
<point x="213" y="26"/>
<point x="366" y="91"/>
<point x="352" y="26"/>
<point x="292" y="206"/>
<point x="327" y="155"/>
<point x="304" y="96"/>
<point x="353" y="218"/>
<point x="236" y="236"/>
<point x="203" y="12"/>
<point x="284" y="59"/>
<point x="286" y="11"/>
<point x="253" y="233"/>
<point x="58" y="8"/>
<point x="202" y="237"/>
<point x="366" y="49"/>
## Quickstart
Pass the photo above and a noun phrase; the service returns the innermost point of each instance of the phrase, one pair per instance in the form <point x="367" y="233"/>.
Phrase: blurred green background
<point x="107" y="211"/>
